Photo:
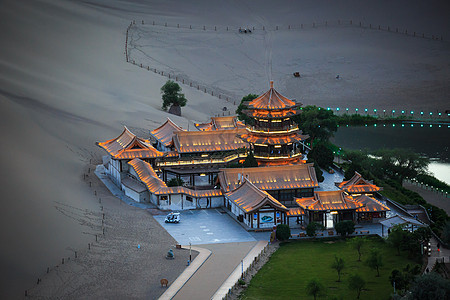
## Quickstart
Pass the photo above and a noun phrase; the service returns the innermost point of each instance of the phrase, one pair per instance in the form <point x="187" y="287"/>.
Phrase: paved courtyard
<point x="206" y="226"/>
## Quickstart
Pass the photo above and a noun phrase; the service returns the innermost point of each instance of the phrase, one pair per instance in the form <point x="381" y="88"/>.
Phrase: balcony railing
<point x="273" y="130"/>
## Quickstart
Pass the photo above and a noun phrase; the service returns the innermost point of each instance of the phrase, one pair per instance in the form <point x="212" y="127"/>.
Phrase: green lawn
<point x="291" y="267"/>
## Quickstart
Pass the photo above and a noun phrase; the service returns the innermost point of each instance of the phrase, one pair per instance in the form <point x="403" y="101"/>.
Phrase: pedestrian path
<point x="442" y="254"/>
<point x="237" y="273"/>
<point x="217" y="268"/>
<point x="173" y="289"/>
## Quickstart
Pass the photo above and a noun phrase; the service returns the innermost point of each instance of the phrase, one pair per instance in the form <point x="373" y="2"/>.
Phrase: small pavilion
<point x="371" y="210"/>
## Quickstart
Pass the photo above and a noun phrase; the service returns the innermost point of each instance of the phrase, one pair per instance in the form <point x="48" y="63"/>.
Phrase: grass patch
<point x="290" y="268"/>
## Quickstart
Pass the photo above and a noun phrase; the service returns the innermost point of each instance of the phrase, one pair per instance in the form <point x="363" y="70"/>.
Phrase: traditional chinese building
<point x="124" y="148"/>
<point x="274" y="137"/>
<point x="254" y="207"/>
<point x="284" y="183"/>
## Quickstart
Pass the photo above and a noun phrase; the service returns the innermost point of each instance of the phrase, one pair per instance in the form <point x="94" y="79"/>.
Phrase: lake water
<point x="432" y="140"/>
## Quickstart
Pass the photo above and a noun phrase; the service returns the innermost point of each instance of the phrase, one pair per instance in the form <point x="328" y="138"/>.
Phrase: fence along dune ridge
<point x="234" y="100"/>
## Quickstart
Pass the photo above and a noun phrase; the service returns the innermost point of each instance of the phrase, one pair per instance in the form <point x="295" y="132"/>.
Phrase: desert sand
<point x="64" y="84"/>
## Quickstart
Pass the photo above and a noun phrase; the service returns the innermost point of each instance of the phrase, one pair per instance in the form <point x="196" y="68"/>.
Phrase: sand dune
<point x="64" y="84"/>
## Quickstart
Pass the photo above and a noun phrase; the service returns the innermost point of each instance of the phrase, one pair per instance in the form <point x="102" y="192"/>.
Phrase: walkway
<point x="237" y="273"/>
<point x="442" y="254"/>
<point x="430" y="196"/>
<point x="222" y="262"/>
<point x="173" y="289"/>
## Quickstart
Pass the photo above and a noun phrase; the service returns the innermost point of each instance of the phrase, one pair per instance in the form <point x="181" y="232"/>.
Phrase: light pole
<point x="190" y="251"/>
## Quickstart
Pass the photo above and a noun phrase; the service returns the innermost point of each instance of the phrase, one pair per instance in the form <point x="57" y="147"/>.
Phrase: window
<point x="163" y="198"/>
<point x="189" y="198"/>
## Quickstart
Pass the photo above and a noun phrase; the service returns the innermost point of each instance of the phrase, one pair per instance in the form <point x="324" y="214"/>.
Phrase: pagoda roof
<point x="370" y="204"/>
<point x="165" y="132"/>
<point x="128" y="146"/>
<point x="328" y="200"/>
<point x="272" y="100"/>
<point x="156" y="186"/>
<point x="274" y="139"/>
<point x="221" y="123"/>
<point x="358" y="185"/>
<point x="249" y="198"/>
<point x="271" y="177"/>
<point x="208" y="141"/>
<point x="271" y="114"/>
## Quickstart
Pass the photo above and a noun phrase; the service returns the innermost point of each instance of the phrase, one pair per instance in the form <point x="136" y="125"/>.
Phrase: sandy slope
<point x="64" y="84"/>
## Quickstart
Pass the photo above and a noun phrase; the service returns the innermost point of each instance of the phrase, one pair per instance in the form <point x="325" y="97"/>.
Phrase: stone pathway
<point x="444" y="253"/>
<point x="225" y="258"/>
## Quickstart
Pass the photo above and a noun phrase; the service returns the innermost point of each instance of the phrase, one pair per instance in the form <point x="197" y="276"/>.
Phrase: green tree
<point x="402" y="163"/>
<point x="345" y="227"/>
<point x="338" y="265"/>
<point x="319" y="123"/>
<point x="397" y="279"/>
<point x="313" y="227"/>
<point x="356" y="283"/>
<point x="283" y="232"/>
<point x="322" y="155"/>
<point x="243" y="106"/>
<point x="171" y="95"/>
<point x="446" y="233"/>
<point x="396" y="237"/>
<point x="175" y="182"/>
<point x="250" y="161"/>
<point x="357" y="243"/>
<point x="315" y="288"/>
<point x="431" y="287"/>
<point x="375" y="261"/>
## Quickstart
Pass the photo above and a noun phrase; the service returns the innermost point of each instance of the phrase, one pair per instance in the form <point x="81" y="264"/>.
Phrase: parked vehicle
<point x="173" y="218"/>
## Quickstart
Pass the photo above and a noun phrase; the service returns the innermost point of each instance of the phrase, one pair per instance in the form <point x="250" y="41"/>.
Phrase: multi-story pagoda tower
<point x="274" y="137"/>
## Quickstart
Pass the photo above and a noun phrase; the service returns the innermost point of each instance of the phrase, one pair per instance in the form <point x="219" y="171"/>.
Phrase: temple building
<point x="273" y="136"/>
<point x="178" y="170"/>
<point x="284" y="183"/>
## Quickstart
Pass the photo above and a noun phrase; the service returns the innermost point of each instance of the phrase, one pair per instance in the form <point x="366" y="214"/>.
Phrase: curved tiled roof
<point x="128" y="146"/>
<point x="271" y="178"/>
<point x="272" y="100"/>
<point x="370" y="204"/>
<point x="358" y="185"/>
<point x="156" y="186"/>
<point x="221" y="123"/>
<point x="165" y="132"/>
<point x="208" y="141"/>
<point x="328" y="200"/>
<point x="249" y="198"/>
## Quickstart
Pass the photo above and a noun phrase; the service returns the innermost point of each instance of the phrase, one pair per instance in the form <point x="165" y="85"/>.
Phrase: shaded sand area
<point x="64" y="84"/>
<point x="115" y="267"/>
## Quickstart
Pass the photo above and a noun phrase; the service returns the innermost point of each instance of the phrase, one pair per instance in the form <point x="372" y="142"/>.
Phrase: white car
<point x="172" y="218"/>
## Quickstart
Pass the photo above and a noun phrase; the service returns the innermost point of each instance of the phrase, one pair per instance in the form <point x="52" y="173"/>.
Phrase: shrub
<point x="345" y="227"/>
<point x="283" y="232"/>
